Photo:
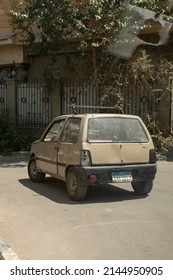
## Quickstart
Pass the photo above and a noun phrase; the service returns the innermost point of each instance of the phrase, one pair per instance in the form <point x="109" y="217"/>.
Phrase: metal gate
<point x="3" y="97"/>
<point x="141" y="101"/>
<point x="136" y="100"/>
<point x="82" y="94"/>
<point x="33" y="104"/>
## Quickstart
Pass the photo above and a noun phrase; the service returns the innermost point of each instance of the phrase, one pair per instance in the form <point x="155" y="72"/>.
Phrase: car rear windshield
<point x="114" y="129"/>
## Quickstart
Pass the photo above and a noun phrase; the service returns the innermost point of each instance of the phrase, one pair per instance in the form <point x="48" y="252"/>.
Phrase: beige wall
<point x="5" y="24"/>
<point x="39" y="65"/>
<point x="73" y="67"/>
<point x="12" y="55"/>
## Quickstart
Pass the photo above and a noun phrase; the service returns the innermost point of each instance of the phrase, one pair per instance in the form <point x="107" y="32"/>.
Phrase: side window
<point x="54" y="131"/>
<point x="71" y="129"/>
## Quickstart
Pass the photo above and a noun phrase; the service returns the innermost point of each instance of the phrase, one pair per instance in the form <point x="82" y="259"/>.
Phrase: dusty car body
<point x="95" y="149"/>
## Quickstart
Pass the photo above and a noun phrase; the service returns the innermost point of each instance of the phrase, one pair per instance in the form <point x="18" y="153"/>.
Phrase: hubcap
<point x="33" y="169"/>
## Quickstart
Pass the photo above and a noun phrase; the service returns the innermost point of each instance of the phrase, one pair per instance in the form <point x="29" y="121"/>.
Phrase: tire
<point x="142" y="188"/>
<point x="33" y="172"/>
<point x="75" y="189"/>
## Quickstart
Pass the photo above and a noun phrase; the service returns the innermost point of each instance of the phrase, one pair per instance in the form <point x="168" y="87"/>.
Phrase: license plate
<point x="121" y="177"/>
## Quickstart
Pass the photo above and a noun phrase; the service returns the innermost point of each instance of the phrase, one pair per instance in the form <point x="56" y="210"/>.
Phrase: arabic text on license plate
<point x="120" y="177"/>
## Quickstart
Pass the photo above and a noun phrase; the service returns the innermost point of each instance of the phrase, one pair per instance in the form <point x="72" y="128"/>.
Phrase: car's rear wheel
<point x="75" y="188"/>
<point x="142" y="188"/>
<point x="33" y="172"/>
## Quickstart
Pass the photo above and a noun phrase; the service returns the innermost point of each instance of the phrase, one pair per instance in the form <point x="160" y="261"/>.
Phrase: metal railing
<point x="136" y="99"/>
<point x="3" y="97"/>
<point x="33" y="104"/>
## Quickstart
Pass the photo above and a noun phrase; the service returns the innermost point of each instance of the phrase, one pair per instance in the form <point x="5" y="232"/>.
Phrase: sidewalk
<point x="19" y="159"/>
<point x="6" y="253"/>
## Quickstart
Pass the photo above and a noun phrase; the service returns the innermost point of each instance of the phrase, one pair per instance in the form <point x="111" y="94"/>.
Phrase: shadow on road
<point x="55" y="190"/>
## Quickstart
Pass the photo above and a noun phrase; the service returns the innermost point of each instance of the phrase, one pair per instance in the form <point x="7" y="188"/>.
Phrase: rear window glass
<point x="116" y="130"/>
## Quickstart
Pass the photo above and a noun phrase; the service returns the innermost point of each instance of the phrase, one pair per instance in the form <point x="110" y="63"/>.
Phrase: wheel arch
<point x="32" y="155"/>
<point x="34" y="173"/>
<point x="67" y="169"/>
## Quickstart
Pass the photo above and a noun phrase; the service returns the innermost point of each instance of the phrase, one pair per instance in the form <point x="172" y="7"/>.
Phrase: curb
<point x="6" y="253"/>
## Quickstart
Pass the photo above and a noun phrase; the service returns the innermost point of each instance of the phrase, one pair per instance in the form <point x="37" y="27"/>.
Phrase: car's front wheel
<point x="142" y="188"/>
<point x="75" y="188"/>
<point x="33" y="172"/>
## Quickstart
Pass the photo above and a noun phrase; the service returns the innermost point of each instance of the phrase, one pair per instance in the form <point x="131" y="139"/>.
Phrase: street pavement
<point x="39" y="221"/>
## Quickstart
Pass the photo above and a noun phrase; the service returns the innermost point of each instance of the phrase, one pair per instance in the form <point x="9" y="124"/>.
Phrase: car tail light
<point x="152" y="156"/>
<point x="85" y="158"/>
<point x="93" y="178"/>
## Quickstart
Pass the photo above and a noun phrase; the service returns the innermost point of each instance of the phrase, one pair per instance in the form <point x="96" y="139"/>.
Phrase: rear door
<point x="117" y="140"/>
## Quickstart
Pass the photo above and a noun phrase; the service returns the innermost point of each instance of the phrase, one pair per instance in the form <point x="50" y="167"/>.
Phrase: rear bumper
<point x="140" y="172"/>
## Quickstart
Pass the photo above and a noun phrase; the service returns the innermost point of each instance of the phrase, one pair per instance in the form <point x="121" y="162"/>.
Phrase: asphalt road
<point x="39" y="221"/>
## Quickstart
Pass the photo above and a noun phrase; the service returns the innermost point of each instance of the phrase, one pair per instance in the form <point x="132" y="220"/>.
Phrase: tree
<point x="161" y="7"/>
<point x="45" y="25"/>
<point x="90" y="23"/>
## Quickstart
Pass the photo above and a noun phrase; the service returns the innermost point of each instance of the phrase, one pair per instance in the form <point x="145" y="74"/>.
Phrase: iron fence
<point x="33" y="104"/>
<point x="82" y="94"/>
<point x="135" y="100"/>
<point x="3" y="97"/>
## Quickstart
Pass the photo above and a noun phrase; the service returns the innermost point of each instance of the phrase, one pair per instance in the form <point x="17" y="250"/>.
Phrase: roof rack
<point x="116" y="109"/>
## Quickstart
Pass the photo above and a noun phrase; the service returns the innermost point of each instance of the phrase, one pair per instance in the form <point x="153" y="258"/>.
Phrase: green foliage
<point x="48" y="23"/>
<point x="151" y="72"/>
<point x="146" y="68"/>
<point x="48" y="26"/>
<point x="161" y="7"/>
<point x="163" y="145"/>
<point x="10" y="138"/>
<point x="44" y="24"/>
<point x="168" y="147"/>
<point x="155" y="133"/>
<point x="168" y="142"/>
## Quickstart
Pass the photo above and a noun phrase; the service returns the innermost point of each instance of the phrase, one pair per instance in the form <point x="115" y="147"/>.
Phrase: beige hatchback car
<point x="95" y="149"/>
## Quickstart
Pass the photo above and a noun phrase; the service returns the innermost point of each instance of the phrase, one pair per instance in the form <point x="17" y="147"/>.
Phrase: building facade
<point x="24" y="100"/>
